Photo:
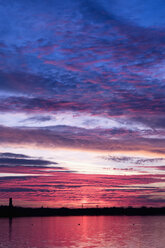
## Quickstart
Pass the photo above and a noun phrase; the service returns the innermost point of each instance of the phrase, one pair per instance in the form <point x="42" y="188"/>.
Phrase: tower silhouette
<point x="10" y="203"/>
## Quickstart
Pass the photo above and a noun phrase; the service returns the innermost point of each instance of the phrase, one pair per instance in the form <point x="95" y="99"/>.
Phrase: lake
<point x="83" y="232"/>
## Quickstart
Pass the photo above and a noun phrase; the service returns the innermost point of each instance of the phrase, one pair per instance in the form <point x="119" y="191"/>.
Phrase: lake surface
<point x="83" y="232"/>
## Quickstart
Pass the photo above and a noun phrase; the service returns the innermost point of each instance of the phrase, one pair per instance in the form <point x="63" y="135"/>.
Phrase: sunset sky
<point x="82" y="103"/>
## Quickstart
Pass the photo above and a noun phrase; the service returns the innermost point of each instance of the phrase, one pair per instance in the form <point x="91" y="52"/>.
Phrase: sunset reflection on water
<point x="83" y="231"/>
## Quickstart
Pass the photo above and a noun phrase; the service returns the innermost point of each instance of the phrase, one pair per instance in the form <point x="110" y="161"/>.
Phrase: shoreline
<point x="6" y="211"/>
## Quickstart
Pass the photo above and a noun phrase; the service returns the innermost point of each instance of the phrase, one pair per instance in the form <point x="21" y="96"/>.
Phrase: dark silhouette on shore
<point x="12" y="211"/>
<point x="10" y="202"/>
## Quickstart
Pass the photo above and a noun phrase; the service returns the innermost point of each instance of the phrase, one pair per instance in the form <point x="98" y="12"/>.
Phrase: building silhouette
<point x="10" y="202"/>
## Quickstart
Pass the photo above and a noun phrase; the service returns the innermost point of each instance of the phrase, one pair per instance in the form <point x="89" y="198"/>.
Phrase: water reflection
<point x="83" y="232"/>
<point x="10" y="228"/>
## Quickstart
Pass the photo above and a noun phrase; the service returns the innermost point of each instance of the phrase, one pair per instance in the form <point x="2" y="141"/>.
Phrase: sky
<point x="82" y="103"/>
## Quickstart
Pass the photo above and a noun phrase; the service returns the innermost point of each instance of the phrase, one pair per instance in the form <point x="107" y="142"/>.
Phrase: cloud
<point x="12" y="159"/>
<point x="63" y="188"/>
<point x="37" y="119"/>
<point x="133" y="160"/>
<point x="81" y="138"/>
<point x="19" y="161"/>
<point x="12" y="155"/>
<point x="160" y="168"/>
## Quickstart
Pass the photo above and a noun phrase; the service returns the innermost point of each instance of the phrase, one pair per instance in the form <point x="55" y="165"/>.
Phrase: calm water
<point x="83" y="231"/>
